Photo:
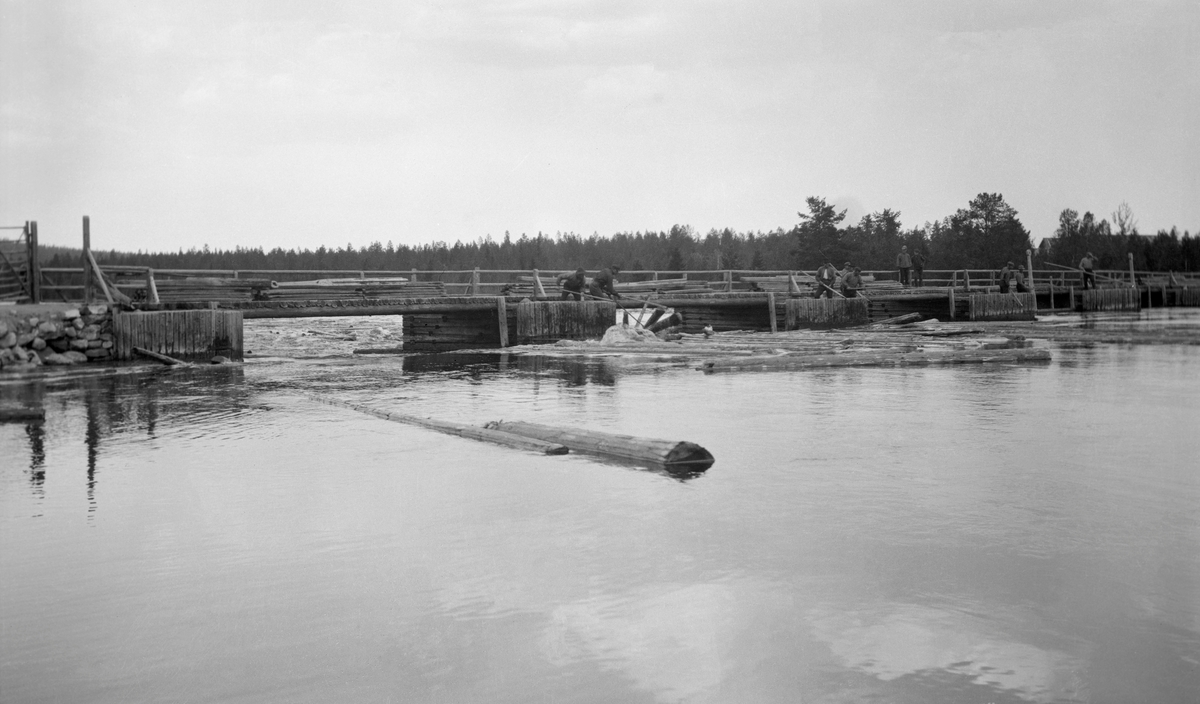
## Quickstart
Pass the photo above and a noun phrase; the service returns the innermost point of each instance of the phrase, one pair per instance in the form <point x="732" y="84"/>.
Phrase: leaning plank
<point x="466" y="431"/>
<point x="874" y="359"/>
<point x="159" y="357"/>
<point x="669" y="453"/>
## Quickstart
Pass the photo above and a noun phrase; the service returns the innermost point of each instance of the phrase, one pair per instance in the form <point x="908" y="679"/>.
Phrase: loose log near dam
<point x="666" y="453"/>
<point x="875" y="359"/>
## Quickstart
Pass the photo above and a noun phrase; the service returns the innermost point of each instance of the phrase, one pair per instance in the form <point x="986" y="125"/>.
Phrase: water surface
<point x="968" y="534"/>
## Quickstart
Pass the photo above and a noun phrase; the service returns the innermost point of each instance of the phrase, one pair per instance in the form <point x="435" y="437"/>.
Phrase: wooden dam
<point x="194" y="314"/>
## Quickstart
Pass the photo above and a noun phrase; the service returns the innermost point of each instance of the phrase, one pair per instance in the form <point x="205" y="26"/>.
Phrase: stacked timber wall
<point x="725" y="315"/>
<point x="190" y="335"/>
<point x="1095" y="299"/>
<point x="929" y="305"/>
<point x="1003" y="306"/>
<point x="540" y="322"/>
<point x="826" y="312"/>
<point x="435" y="332"/>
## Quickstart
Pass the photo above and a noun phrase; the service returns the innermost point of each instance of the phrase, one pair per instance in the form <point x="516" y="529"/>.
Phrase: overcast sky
<point x="297" y="123"/>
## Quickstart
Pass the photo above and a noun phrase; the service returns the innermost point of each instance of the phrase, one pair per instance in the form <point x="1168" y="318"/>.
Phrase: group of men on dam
<point x="576" y="284"/>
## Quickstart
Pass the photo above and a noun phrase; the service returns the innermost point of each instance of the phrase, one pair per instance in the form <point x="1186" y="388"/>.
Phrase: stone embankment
<point x="31" y="336"/>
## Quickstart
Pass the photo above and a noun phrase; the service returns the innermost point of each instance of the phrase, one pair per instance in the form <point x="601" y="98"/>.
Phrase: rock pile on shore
<point x="56" y="337"/>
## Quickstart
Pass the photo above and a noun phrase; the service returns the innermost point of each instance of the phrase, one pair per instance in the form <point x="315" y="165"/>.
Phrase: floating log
<point x="169" y="361"/>
<point x="19" y="414"/>
<point x="497" y="437"/>
<point x="665" y="453"/>
<point x="874" y="359"/>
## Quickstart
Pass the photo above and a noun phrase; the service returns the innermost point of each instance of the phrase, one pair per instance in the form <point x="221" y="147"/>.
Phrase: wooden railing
<point x="69" y="283"/>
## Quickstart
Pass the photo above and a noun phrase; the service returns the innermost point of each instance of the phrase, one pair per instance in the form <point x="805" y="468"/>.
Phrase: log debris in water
<point x="666" y="453"/>
<point x="497" y="437"/>
<point x="875" y="359"/>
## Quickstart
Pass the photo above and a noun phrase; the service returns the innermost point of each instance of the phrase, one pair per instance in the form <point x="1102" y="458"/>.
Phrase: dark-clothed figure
<point x="851" y="283"/>
<point x="602" y="283"/>
<point x="826" y="276"/>
<point x="903" y="263"/>
<point x="1019" y="280"/>
<point x="1005" y="277"/>
<point x="918" y="269"/>
<point x="1087" y="264"/>
<point x="572" y="284"/>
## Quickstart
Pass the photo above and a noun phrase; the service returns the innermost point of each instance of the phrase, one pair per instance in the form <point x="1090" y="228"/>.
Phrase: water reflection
<point x="128" y="405"/>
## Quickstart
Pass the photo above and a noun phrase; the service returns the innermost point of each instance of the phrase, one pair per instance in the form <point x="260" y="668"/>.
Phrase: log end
<point x="689" y="456"/>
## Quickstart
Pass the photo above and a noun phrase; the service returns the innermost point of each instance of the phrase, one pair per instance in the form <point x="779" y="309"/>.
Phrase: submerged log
<point x="667" y="453"/>
<point x="497" y="437"/>
<point x="19" y="414"/>
<point x="874" y="359"/>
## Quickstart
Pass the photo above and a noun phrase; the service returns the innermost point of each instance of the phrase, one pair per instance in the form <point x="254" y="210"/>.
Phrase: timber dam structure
<point x="196" y="314"/>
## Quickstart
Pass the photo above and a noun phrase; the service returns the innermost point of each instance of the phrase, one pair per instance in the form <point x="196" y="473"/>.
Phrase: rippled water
<point x="999" y="534"/>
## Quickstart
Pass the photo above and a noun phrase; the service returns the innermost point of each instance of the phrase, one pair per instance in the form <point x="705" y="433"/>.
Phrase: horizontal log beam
<point x="875" y="359"/>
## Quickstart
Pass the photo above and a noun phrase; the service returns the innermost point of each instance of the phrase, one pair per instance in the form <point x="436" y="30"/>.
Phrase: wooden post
<point x="728" y="281"/>
<point x="771" y="311"/>
<point x="99" y="276"/>
<point x="151" y="288"/>
<point x="1071" y="298"/>
<point x="951" y="292"/>
<point x="88" y="292"/>
<point x="538" y="289"/>
<point x="35" y="269"/>
<point x="967" y="280"/>
<point x="413" y="277"/>
<point x="1132" y="278"/>
<point x="1032" y="285"/>
<point x="475" y="282"/>
<point x="502" y="319"/>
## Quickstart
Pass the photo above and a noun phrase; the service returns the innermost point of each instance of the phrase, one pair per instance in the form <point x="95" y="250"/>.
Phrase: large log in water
<point x="498" y="437"/>
<point x="874" y="359"/>
<point x="667" y="453"/>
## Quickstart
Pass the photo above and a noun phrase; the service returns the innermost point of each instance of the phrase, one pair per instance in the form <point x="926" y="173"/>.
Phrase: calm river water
<point x="999" y="534"/>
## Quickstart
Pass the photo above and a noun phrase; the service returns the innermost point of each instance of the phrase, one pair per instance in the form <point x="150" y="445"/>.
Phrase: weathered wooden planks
<point x="1003" y="306"/>
<point x="540" y="322"/>
<point x="1108" y="299"/>
<point x="191" y="335"/>
<point x="825" y="312"/>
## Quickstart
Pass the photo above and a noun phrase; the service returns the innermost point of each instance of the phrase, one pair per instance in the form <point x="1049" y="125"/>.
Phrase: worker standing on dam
<point x="826" y="276"/>
<point x="1005" y="277"/>
<point x="918" y="268"/>
<point x="851" y="283"/>
<point x="903" y="263"/>
<point x="1086" y="265"/>
<point x="572" y="284"/>
<point x="602" y="283"/>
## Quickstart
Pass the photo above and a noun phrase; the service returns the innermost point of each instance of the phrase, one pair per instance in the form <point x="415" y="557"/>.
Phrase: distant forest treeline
<point x="984" y="235"/>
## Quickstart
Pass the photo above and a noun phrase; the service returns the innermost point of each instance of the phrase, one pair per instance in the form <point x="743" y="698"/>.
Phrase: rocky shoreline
<point x="57" y="335"/>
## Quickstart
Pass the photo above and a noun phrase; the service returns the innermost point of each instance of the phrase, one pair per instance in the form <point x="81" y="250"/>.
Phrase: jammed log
<point x="874" y="359"/>
<point x="497" y="437"/>
<point x="666" y="453"/>
<point x="165" y="359"/>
